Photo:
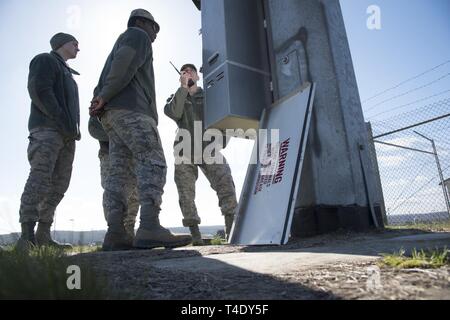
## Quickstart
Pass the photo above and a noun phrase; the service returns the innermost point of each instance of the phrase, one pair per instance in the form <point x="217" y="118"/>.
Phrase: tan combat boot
<point x="152" y="235"/>
<point x="196" y="236"/>
<point x="27" y="239"/>
<point x="117" y="241"/>
<point x="117" y="238"/>
<point x="159" y="237"/>
<point x="43" y="238"/>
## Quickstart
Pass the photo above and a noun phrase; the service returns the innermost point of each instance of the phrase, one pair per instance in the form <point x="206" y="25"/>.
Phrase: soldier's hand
<point x="184" y="80"/>
<point x="97" y="107"/>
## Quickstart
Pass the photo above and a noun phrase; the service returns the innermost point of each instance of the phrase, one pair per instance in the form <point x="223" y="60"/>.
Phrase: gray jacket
<point x="127" y="80"/>
<point x="54" y="96"/>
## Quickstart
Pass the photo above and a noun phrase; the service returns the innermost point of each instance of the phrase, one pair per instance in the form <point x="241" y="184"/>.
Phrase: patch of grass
<point x="85" y="249"/>
<point x="218" y="241"/>
<point x="43" y="274"/>
<point x="433" y="226"/>
<point x="418" y="259"/>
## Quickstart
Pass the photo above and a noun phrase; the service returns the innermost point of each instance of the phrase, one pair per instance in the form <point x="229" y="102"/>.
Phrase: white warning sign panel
<point x="270" y="190"/>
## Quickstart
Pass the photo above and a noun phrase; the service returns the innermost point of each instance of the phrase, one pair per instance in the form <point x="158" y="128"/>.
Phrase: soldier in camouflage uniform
<point x="96" y="130"/>
<point x="186" y="107"/>
<point x="54" y="126"/>
<point x="125" y="102"/>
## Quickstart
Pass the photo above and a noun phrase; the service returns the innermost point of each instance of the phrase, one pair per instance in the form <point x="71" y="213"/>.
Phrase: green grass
<point x="85" y="249"/>
<point x="434" y="226"/>
<point x="42" y="274"/>
<point x="218" y="241"/>
<point x="418" y="259"/>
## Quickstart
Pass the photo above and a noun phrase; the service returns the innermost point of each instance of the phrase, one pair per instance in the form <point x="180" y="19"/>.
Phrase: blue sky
<point x="414" y="37"/>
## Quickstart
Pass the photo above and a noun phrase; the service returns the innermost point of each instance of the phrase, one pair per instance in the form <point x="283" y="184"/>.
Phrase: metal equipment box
<point x="235" y="63"/>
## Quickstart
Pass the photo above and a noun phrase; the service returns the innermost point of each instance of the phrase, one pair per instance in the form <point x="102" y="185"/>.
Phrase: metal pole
<point x="413" y="126"/>
<point x="441" y="176"/>
<point x="73" y="231"/>
<point x="401" y="147"/>
<point x="54" y="226"/>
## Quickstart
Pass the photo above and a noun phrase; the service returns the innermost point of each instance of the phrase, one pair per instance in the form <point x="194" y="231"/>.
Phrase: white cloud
<point x="409" y="142"/>
<point x="390" y="161"/>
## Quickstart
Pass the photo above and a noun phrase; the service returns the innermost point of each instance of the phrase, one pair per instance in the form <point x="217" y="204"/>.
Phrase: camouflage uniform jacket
<point x="54" y="96"/>
<point x="127" y="80"/>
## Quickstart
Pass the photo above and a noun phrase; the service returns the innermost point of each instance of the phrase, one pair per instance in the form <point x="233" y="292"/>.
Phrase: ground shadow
<point x="161" y="274"/>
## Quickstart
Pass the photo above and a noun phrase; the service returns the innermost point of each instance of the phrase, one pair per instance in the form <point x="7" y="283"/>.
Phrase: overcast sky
<point x="413" y="38"/>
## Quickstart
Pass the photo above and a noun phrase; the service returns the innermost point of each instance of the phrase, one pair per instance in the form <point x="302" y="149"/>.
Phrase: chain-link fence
<point x="413" y="155"/>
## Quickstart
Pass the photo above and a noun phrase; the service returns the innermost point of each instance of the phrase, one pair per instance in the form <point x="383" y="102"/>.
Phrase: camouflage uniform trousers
<point x="221" y="180"/>
<point x="51" y="158"/>
<point x="132" y="199"/>
<point x="135" y="150"/>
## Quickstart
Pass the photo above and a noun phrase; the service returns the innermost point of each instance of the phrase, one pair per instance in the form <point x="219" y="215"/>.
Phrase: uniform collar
<point x="136" y="28"/>
<point x="57" y="56"/>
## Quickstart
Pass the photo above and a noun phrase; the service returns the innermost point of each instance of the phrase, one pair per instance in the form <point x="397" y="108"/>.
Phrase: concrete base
<point x="324" y="219"/>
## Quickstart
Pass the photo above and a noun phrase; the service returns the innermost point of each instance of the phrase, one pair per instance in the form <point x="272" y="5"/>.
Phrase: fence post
<point x="441" y="176"/>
